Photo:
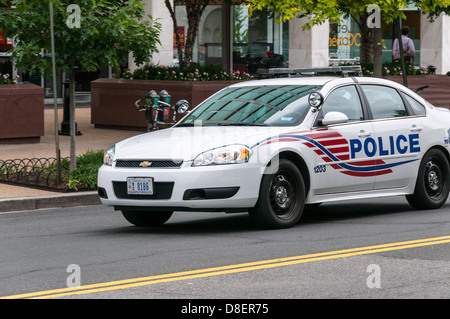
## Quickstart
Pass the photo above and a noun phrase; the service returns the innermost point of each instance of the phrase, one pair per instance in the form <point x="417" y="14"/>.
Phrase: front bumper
<point x="210" y="188"/>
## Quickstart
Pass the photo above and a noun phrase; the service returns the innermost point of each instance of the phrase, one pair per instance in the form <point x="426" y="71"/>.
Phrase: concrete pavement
<point x="16" y="198"/>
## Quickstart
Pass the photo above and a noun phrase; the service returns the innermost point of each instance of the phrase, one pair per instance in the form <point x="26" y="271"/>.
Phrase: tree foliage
<point x="108" y="31"/>
<point x="88" y="35"/>
<point x="319" y="11"/>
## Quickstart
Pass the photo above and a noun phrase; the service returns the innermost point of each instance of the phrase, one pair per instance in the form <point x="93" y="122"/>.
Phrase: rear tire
<point x="433" y="182"/>
<point x="146" y="218"/>
<point x="281" y="198"/>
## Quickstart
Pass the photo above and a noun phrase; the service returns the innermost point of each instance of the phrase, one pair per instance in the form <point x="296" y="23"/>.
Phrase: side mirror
<point x="182" y="106"/>
<point x="315" y="100"/>
<point x="334" y="118"/>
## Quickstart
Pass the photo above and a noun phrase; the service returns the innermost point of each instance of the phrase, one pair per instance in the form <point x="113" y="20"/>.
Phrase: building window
<point x="252" y="38"/>
<point x="6" y="66"/>
<point x="389" y="34"/>
<point x="345" y="39"/>
<point x="344" y="42"/>
<point x="267" y="42"/>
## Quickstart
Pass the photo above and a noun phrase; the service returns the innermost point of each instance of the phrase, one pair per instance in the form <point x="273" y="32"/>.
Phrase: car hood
<point x="185" y="143"/>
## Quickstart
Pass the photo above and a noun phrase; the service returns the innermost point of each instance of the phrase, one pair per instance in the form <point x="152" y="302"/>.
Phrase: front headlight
<point x="231" y="154"/>
<point x="108" y="157"/>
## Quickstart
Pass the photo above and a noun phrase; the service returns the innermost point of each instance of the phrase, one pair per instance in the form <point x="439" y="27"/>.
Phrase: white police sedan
<point x="270" y="147"/>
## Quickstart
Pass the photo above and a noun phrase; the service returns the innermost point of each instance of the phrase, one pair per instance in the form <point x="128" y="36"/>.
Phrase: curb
<point x="49" y="201"/>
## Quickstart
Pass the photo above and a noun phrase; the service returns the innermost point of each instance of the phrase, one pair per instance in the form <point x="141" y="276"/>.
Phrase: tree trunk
<point x="371" y="45"/>
<point x="194" y="12"/>
<point x="377" y="52"/>
<point x="177" y="35"/>
<point x="73" y="129"/>
<point x="366" y="48"/>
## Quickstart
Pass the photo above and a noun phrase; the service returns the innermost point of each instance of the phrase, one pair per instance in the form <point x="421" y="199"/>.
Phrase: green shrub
<point x="193" y="73"/>
<point x="392" y="68"/>
<point x="85" y="174"/>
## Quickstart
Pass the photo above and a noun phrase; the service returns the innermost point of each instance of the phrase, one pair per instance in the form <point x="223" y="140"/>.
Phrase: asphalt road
<point x="220" y="256"/>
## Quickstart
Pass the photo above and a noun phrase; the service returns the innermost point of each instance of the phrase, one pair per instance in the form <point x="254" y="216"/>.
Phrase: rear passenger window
<point x="384" y="102"/>
<point x="418" y="108"/>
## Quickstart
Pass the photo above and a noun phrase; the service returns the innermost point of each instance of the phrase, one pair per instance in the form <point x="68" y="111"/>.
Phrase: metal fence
<point x="35" y="172"/>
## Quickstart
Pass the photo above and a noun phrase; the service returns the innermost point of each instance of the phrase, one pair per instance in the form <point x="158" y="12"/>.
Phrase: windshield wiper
<point x="243" y="124"/>
<point x="221" y="123"/>
<point x="185" y="125"/>
<point x="228" y="123"/>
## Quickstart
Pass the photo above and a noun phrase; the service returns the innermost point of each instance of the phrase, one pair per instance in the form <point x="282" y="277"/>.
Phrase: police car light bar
<point x="290" y="72"/>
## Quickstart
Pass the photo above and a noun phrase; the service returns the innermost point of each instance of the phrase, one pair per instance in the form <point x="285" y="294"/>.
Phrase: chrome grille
<point x="154" y="163"/>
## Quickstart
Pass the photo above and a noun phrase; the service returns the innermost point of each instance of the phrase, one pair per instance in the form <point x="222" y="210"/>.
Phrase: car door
<point x="397" y="135"/>
<point x="341" y="163"/>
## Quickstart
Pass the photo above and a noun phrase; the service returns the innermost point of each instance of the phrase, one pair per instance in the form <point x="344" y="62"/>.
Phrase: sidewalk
<point x="13" y="198"/>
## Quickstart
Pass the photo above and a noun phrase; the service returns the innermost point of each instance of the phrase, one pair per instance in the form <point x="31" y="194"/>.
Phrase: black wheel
<point x="433" y="184"/>
<point x="146" y="219"/>
<point x="281" y="198"/>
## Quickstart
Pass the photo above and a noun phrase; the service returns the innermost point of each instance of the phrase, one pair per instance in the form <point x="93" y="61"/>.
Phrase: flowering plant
<point x="390" y="69"/>
<point x="197" y="73"/>
<point x="5" y="79"/>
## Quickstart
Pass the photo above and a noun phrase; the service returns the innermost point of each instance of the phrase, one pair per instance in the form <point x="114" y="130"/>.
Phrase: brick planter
<point x="112" y="100"/>
<point x="437" y="93"/>
<point x="21" y="113"/>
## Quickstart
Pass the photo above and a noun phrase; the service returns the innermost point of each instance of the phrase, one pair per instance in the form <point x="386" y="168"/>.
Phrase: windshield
<point x="254" y="105"/>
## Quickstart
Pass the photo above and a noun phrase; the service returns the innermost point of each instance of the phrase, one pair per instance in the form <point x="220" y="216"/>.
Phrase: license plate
<point x="140" y="186"/>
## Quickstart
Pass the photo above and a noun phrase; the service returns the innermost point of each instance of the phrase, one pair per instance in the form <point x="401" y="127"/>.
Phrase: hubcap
<point x="282" y="195"/>
<point x="433" y="181"/>
<point x="433" y="178"/>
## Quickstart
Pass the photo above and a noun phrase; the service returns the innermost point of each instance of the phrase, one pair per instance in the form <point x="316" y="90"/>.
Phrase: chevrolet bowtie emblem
<point x="145" y="164"/>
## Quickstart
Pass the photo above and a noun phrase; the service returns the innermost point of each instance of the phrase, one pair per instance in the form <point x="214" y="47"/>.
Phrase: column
<point x="308" y="48"/>
<point x="435" y="43"/>
<point x="159" y="12"/>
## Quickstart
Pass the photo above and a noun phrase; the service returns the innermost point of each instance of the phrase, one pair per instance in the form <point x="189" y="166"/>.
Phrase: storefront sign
<point x="347" y="40"/>
<point x="344" y="37"/>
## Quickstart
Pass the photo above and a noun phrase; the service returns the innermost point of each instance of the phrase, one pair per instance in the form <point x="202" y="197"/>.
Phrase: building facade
<point x="249" y="39"/>
<point x="228" y="36"/>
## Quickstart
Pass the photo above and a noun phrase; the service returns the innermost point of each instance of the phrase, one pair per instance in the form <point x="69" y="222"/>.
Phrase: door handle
<point x="363" y="133"/>
<point x="415" y="128"/>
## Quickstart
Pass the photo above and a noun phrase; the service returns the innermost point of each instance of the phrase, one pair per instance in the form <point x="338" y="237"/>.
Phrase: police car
<point x="269" y="147"/>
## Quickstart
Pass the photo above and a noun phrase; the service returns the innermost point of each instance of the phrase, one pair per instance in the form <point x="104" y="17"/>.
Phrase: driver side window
<point x="345" y="100"/>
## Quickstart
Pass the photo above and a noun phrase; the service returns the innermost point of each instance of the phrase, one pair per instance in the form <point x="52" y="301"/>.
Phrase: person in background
<point x="408" y="48"/>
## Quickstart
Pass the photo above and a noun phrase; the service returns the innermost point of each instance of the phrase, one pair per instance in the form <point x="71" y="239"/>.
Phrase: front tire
<point x="433" y="182"/>
<point x="281" y="198"/>
<point x="146" y="219"/>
